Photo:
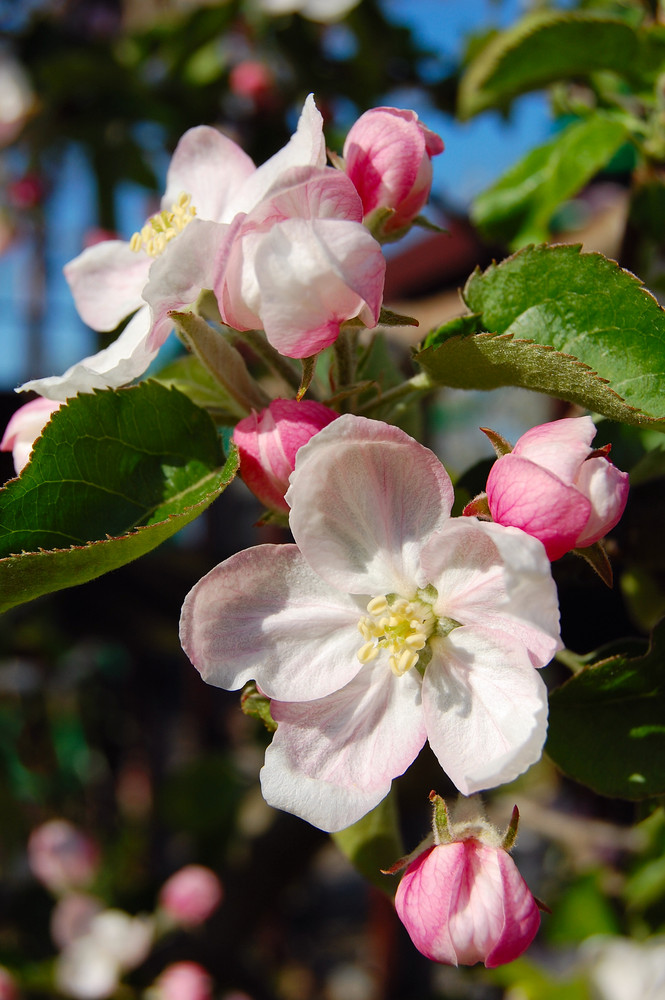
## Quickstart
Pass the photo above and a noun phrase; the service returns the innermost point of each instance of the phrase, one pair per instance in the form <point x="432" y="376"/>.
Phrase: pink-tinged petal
<point x="364" y="498"/>
<point x="480" y="691"/>
<point x="528" y="496"/>
<point x="106" y="281"/>
<point x="195" y="260"/>
<point x="308" y="193"/>
<point x="466" y="902"/>
<point x="383" y="152"/>
<point x="522" y="916"/>
<point x="125" y="359"/>
<point x="560" y="446"/>
<point x="332" y="760"/>
<point x="263" y="615"/>
<point x="312" y="276"/>
<point x="211" y="168"/>
<point x="305" y="148"/>
<point x="496" y="577"/>
<point x="24" y="427"/>
<point x="607" y="489"/>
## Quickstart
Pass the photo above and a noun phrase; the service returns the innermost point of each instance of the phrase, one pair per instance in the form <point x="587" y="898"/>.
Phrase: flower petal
<point x="304" y="278"/>
<point x="530" y="497"/>
<point x="211" y="168"/>
<point x="365" y="497"/>
<point x="607" y="489"/>
<point x="498" y="578"/>
<point x="306" y="147"/>
<point x="561" y="445"/>
<point x="194" y="260"/>
<point x="264" y="615"/>
<point x="485" y="708"/>
<point x="522" y="917"/>
<point x="106" y="281"/>
<point x="332" y="760"/>
<point x="123" y="361"/>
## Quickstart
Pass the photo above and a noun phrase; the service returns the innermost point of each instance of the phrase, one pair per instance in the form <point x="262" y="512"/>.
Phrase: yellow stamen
<point x="162" y="227"/>
<point x="403" y="632"/>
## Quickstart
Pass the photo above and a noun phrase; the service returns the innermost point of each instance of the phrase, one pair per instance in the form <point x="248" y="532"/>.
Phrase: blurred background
<point x="103" y="722"/>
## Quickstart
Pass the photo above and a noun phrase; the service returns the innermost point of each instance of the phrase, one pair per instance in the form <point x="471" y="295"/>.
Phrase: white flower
<point x="387" y="624"/>
<point x="90" y="967"/>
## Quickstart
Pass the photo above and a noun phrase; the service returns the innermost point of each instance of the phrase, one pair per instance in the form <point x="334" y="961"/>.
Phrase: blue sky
<point x="476" y="153"/>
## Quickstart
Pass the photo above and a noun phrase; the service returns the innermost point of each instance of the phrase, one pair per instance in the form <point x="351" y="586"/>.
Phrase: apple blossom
<point x="388" y="156"/>
<point x="90" y="966"/>
<point x="8" y="987"/>
<point x="555" y="487"/>
<point x="302" y="263"/>
<point x="24" y="427"/>
<point x="463" y="901"/>
<point x="61" y="856"/>
<point x="189" y="239"/>
<point x="625" y="969"/>
<point x="190" y="895"/>
<point x="182" y="981"/>
<point x="268" y="442"/>
<point x="380" y="581"/>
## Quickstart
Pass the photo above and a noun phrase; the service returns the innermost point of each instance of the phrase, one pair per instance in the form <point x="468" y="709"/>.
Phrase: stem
<point x="278" y="364"/>
<point x="420" y="384"/>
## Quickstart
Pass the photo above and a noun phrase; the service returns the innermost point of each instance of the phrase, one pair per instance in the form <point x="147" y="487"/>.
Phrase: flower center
<point x="161" y="228"/>
<point x="399" y="626"/>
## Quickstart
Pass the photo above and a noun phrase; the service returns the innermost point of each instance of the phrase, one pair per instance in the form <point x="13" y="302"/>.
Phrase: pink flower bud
<point x="465" y="902"/>
<point x="8" y="987"/>
<point x="191" y="895"/>
<point x="268" y="442"/>
<point x="388" y="156"/>
<point x="183" y="981"/>
<point x="553" y="486"/>
<point x="24" y="427"/>
<point x="61" y="856"/>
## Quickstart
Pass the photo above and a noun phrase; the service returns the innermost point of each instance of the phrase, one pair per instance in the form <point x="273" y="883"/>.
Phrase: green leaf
<point x="572" y="325"/>
<point x="373" y="844"/>
<point x="544" y="47"/>
<point x="113" y="475"/>
<point x="517" y="209"/>
<point x="607" y="724"/>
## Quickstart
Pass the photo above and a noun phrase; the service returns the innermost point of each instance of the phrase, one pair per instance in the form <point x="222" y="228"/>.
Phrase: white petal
<point x="106" y="281"/>
<point x="485" y="708"/>
<point x="498" y="577"/>
<point x="123" y="361"/>
<point x="365" y="497"/>
<point x="332" y="760"/>
<point x="194" y="260"/>
<point x="306" y="147"/>
<point x="211" y="168"/>
<point x="264" y="615"/>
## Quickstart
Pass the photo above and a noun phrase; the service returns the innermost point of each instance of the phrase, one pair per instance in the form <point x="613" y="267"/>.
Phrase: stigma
<point x="162" y="227"/>
<point x="399" y="626"/>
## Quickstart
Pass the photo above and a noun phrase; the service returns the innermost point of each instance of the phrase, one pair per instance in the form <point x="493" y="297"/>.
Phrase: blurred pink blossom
<point x="72" y="916"/>
<point x="388" y="156"/>
<point x="268" y="442"/>
<point x="182" y="981"/>
<point x="90" y="966"/>
<point x="8" y="987"/>
<point x="61" y="856"/>
<point x="555" y="487"/>
<point x="24" y="428"/>
<point x="191" y="895"/>
<point x="252" y="78"/>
